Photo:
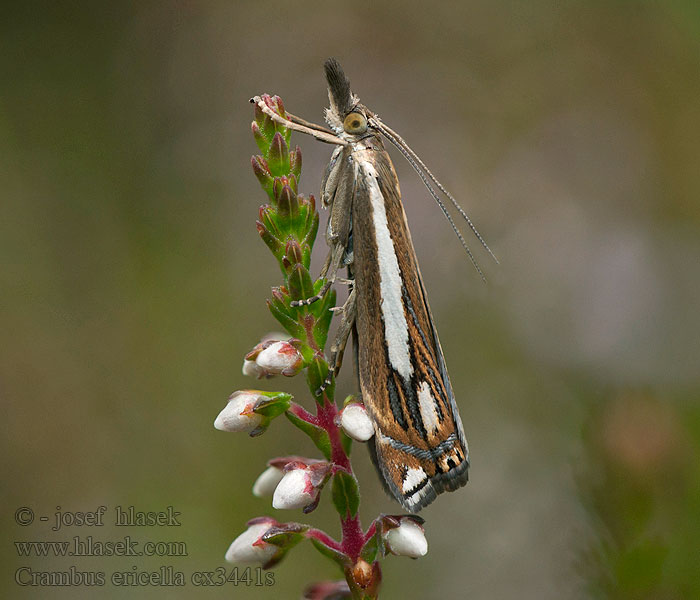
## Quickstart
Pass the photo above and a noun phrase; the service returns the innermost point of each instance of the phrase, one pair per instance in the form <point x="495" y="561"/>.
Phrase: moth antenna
<point x="406" y="150"/>
<point x="408" y="156"/>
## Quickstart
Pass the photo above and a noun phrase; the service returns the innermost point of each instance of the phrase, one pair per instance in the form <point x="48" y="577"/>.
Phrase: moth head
<point x="345" y="114"/>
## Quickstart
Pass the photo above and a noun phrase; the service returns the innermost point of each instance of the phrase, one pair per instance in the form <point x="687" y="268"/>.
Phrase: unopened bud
<point x="294" y="491"/>
<point x="251" y="369"/>
<point x="249" y="547"/>
<point x="274" y="357"/>
<point x="266" y="483"/>
<point x="356" y="422"/>
<point x="408" y="539"/>
<point x="327" y="590"/>
<point x="238" y="414"/>
<point x="300" y="486"/>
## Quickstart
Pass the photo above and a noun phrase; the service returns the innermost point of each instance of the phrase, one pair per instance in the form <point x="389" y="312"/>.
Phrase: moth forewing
<point x="420" y="448"/>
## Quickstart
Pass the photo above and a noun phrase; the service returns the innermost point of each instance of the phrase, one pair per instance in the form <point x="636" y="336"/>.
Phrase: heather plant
<point x="288" y="225"/>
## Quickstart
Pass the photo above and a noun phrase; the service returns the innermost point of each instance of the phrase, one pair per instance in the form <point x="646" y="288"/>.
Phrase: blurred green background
<point x="133" y="280"/>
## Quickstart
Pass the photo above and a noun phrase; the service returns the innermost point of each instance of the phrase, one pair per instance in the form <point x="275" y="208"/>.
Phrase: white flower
<point x="266" y="483"/>
<point x="279" y="358"/>
<point x="356" y="422"/>
<point x="251" y="369"/>
<point x="301" y="484"/>
<point x="238" y="414"/>
<point x="273" y="357"/>
<point x="248" y="548"/>
<point x="295" y="490"/>
<point x="408" y="539"/>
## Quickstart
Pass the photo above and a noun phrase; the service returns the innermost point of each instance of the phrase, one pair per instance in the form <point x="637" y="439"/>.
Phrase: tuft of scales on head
<point x="341" y="98"/>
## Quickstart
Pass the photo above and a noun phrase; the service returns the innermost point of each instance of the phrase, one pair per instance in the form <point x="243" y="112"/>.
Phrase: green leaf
<point x="287" y="203"/>
<point x="293" y="252"/>
<point x="260" y="139"/>
<point x="346" y="494"/>
<point x="318" y="435"/>
<point x="268" y="217"/>
<point x="322" y="311"/>
<point x="268" y="128"/>
<point x="372" y="547"/>
<point x="280" y="312"/>
<point x="285" y="536"/>
<point x="300" y="285"/>
<point x="309" y="218"/>
<point x="338" y="557"/>
<point x="274" y="407"/>
<point x="260" y="429"/>
<point x="270" y="240"/>
<point x="295" y="162"/>
<point x="316" y="373"/>
<point x="346" y="442"/>
<point x="278" y="156"/>
<point x="262" y="172"/>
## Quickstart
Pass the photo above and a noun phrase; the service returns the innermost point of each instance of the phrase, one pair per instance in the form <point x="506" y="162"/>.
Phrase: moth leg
<point x="341" y="338"/>
<point x="320" y="133"/>
<point x="330" y="270"/>
<point x="326" y="264"/>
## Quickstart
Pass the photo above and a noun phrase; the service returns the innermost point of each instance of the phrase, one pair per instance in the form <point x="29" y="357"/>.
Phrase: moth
<point x="419" y="446"/>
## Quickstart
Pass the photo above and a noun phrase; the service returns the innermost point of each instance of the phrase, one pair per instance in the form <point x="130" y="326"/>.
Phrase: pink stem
<point x="302" y="413"/>
<point x="327" y="413"/>
<point x="370" y="532"/>
<point x="325" y="539"/>
<point x="353" y="538"/>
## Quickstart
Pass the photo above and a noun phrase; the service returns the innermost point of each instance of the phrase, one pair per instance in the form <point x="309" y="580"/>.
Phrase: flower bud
<point x="367" y="577"/>
<point x="294" y="490"/>
<point x="300" y="486"/>
<point x="275" y="103"/>
<point x="356" y="422"/>
<point x="266" y="483"/>
<point x="327" y="590"/>
<point x="249" y="547"/>
<point x="251" y="369"/>
<point x="273" y="357"/>
<point x="408" y="539"/>
<point x="268" y="480"/>
<point x="238" y="414"/>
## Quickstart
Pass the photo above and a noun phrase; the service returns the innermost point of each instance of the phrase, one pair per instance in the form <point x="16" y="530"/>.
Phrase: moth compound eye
<point x="355" y="122"/>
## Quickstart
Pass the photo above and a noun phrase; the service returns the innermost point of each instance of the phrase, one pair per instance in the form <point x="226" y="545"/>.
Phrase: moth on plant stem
<point x="419" y="445"/>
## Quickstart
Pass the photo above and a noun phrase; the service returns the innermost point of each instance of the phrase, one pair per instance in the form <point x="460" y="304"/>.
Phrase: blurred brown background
<point x="133" y="280"/>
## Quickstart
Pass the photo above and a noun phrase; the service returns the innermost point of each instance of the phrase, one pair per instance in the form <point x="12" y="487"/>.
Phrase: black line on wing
<point x="422" y="453"/>
<point x="440" y="393"/>
<point x="409" y="306"/>
<point x="411" y="398"/>
<point x="394" y="400"/>
<point x="433" y="376"/>
<point x="415" y="489"/>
